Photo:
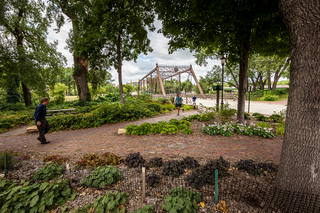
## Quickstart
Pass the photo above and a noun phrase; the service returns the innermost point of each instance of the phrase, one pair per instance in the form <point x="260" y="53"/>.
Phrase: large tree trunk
<point x="243" y="82"/>
<point x="26" y="95"/>
<point x="269" y="82"/>
<point x="119" y="68"/>
<point x="80" y="77"/>
<point x="299" y="168"/>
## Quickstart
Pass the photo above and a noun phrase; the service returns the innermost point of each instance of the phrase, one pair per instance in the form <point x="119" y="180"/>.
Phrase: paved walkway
<point x="106" y="139"/>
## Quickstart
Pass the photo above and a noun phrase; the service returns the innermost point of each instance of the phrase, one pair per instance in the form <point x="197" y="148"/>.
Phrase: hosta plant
<point x="222" y="129"/>
<point x="111" y="202"/>
<point x="49" y="171"/>
<point x="35" y="197"/>
<point x="145" y="209"/>
<point x="182" y="200"/>
<point x="102" y="176"/>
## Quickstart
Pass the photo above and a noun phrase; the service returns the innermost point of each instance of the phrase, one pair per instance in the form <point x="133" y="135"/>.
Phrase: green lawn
<point x="283" y="97"/>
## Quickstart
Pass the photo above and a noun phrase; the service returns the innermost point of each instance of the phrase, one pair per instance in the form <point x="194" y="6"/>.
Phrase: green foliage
<point x="247" y="116"/>
<point x="222" y="129"/>
<point x="263" y="124"/>
<point x="145" y="209"/>
<point x="93" y="160"/>
<point x="133" y="160"/>
<point x="172" y="168"/>
<point x="10" y="159"/>
<point x="154" y="107"/>
<point x="256" y="114"/>
<point x="11" y="119"/>
<point x="56" y="159"/>
<point x="191" y="118"/>
<point x="58" y="92"/>
<point x="49" y="171"/>
<point x="187" y="131"/>
<point x="226" y="113"/>
<point x="205" y="174"/>
<point x="182" y="200"/>
<point x="145" y="96"/>
<point x="102" y="176"/>
<point x="270" y="98"/>
<point x="280" y="127"/>
<point x="36" y="197"/>
<point x="261" y="117"/>
<point x="84" y="209"/>
<point x="278" y="117"/>
<point x="111" y="202"/>
<point x="187" y="107"/>
<point x="207" y="116"/>
<point x="161" y="127"/>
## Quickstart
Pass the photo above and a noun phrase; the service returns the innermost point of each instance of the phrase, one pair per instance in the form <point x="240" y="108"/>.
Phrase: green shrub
<point x="36" y="197"/>
<point x="161" y="127"/>
<point x="207" y="116"/>
<point x="263" y="125"/>
<point x="280" y="129"/>
<point x="10" y="159"/>
<point x="93" y="160"/>
<point x="226" y="113"/>
<point x="145" y="209"/>
<point x="154" y="107"/>
<point x="58" y="92"/>
<point x="102" y="176"/>
<point x="261" y="117"/>
<point x="182" y="200"/>
<point x="270" y="98"/>
<point x="11" y="119"/>
<point x="111" y="202"/>
<point x="277" y="117"/>
<point x="49" y="171"/>
<point x="247" y="116"/>
<point x="187" y="107"/>
<point x="256" y="114"/>
<point x="191" y="118"/>
<point x="187" y="131"/>
<point x="222" y="129"/>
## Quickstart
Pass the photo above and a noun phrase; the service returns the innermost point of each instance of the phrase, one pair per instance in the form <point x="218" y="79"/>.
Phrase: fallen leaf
<point x="25" y="146"/>
<point x="82" y="194"/>
<point x="202" y="204"/>
<point x="102" y="149"/>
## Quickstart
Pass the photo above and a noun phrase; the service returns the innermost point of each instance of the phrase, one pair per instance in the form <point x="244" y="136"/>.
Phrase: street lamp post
<point x="223" y="60"/>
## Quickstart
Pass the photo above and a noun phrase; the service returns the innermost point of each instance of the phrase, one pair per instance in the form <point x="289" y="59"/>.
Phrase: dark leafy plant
<point x="111" y="202"/>
<point x="172" y="168"/>
<point x="153" y="179"/>
<point x="254" y="169"/>
<point x="145" y="209"/>
<point x="49" y="171"/>
<point x="189" y="163"/>
<point x="134" y="160"/>
<point x="102" y="176"/>
<point x="261" y="117"/>
<point x="36" y="197"/>
<point x="247" y="116"/>
<point x="182" y="200"/>
<point x="156" y="162"/>
<point x="256" y="114"/>
<point x="277" y="118"/>
<point x="55" y="159"/>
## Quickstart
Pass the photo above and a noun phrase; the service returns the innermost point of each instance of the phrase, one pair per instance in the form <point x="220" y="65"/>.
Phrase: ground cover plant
<point x="189" y="163"/>
<point x="93" y="160"/>
<point x="111" y="202"/>
<point x="155" y="162"/>
<point x="254" y="169"/>
<point x="56" y="159"/>
<point x="187" y="107"/>
<point x="133" y="160"/>
<point x="37" y="197"/>
<point x="182" y="200"/>
<point x="11" y="119"/>
<point x="49" y="171"/>
<point x="153" y="179"/>
<point x="145" y="209"/>
<point x="280" y="129"/>
<point x="102" y="176"/>
<point x="227" y="129"/>
<point x="172" y="168"/>
<point x="205" y="174"/>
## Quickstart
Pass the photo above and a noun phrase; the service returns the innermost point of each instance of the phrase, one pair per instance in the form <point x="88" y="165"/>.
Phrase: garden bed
<point x="132" y="183"/>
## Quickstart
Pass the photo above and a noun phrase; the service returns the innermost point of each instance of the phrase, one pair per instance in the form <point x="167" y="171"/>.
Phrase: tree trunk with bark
<point x="119" y="68"/>
<point x="299" y="168"/>
<point x="243" y="82"/>
<point x="279" y="73"/>
<point x="269" y="82"/>
<point x="80" y="77"/>
<point x="26" y="95"/>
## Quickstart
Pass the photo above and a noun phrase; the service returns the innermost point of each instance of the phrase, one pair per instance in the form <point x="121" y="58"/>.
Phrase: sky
<point x="145" y="63"/>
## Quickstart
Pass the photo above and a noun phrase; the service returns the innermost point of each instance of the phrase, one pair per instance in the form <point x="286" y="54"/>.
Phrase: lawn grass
<point x="283" y="97"/>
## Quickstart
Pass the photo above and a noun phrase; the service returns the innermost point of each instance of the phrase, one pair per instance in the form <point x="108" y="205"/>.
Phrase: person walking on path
<point x="194" y="100"/>
<point x="41" y="122"/>
<point x="178" y="103"/>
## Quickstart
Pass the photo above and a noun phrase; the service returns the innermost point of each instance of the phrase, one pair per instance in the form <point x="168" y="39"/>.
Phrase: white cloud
<point x="134" y="71"/>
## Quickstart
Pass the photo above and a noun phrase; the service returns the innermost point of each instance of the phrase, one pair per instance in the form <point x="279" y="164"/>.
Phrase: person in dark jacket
<point x="41" y="122"/>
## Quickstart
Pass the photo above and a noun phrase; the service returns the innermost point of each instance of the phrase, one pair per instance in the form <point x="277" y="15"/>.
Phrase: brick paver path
<point x="105" y="138"/>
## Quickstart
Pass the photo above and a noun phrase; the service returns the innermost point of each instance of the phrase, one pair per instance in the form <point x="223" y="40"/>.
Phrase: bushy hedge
<point x="12" y="119"/>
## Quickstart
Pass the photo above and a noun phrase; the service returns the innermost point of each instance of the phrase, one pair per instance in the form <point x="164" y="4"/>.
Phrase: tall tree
<point x="74" y="10"/>
<point x="299" y="168"/>
<point x="24" y="26"/>
<point x="115" y="31"/>
<point x="234" y="28"/>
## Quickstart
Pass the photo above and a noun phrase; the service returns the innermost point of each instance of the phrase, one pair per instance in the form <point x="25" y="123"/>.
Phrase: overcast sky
<point x="145" y="63"/>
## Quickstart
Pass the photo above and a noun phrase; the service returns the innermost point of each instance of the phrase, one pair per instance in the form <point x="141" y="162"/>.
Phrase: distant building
<point x="114" y="85"/>
<point x="133" y="83"/>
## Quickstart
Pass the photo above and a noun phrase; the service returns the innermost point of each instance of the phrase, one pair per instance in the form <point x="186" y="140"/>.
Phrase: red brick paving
<point x="105" y="138"/>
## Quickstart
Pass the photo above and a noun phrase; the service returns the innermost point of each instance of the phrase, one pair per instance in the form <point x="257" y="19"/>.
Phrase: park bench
<point x="61" y="111"/>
